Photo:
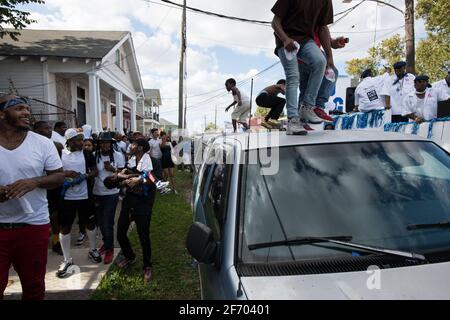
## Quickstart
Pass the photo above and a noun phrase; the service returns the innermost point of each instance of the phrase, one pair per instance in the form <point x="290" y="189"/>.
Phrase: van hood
<point x="431" y="281"/>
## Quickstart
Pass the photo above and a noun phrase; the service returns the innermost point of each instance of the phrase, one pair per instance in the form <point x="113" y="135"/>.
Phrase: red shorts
<point x="25" y="249"/>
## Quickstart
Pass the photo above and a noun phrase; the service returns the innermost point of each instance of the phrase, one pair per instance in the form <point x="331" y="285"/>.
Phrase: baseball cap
<point x="72" y="133"/>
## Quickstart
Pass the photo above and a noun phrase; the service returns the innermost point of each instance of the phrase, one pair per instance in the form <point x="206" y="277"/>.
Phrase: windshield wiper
<point x="341" y="240"/>
<point x="443" y="225"/>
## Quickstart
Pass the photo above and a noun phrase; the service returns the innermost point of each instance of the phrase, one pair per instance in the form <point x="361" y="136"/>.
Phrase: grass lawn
<point x="173" y="276"/>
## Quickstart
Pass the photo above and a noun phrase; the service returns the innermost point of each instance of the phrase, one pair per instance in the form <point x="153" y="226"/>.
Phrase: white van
<point x="333" y="215"/>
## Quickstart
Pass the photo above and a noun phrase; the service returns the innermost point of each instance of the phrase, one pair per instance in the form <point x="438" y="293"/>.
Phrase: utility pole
<point x="205" y="123"/>
<point x="215" y="119"/>
<point x="409" y="37"/>
<point x="181" y="76"/>
<point x="409" y="31"/>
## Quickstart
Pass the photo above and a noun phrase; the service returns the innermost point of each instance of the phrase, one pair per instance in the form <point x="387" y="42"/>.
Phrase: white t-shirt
<point x="74" y="161"/>
<point x="145" y="164"/>
<point x="99" y="186"/>
<point x="442" y="86"/>
<point x="56" y="137"/>
<point x="367" y="96"/>
<point x="122" y="146"/>
<point x="155" y="148"/>
<point x="398" y="91"/>
<point x="31" y="159"/>
<point x="427" y="108"/>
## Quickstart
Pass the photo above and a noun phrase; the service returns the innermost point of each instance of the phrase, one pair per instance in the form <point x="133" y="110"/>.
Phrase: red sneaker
<point x="323" y="115"/>
<point x="147" y="274"/>
<point x="109" y="256"/>
<point x="307" y="127"/>
<point x="102" y="250"/>
<point x="125" y="263"/>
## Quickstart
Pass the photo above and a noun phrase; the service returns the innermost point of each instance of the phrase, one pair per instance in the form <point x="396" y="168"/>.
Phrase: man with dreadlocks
<point x="108" y="163"/>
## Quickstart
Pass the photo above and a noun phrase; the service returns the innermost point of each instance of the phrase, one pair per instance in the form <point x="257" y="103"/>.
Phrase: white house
<point x="150" y="109"/>
<point x="93" y="74"/>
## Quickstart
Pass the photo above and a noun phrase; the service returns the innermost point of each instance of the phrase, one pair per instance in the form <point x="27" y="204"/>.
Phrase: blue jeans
<point x="313" y="56"/>
<point x="106" y="212"/>
<point x="326" y="88"/>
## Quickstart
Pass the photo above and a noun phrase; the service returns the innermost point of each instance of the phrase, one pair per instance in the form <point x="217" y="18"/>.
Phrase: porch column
<point x="94" y="102"/>
<point x="99" y="109"/>
<point x="119" y="111"/>
<point x="133" y="116"/>
<point x="108" y="115"/>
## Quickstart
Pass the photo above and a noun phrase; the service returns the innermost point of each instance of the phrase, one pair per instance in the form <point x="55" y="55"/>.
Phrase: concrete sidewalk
<point x="81" y="284"/>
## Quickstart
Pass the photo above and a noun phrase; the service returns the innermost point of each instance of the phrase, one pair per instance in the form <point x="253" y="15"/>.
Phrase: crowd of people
<point x="305" y="48"/>
<point x="409" y="98"/>
<point x="53" y="177"/>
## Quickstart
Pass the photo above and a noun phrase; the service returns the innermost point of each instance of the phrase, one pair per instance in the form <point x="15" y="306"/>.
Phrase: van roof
<point x="280" y="139"/>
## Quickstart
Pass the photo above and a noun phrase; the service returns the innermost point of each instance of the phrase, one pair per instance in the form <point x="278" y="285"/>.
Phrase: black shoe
<point x="95" y="256"/>
<point x="57" y="249"/>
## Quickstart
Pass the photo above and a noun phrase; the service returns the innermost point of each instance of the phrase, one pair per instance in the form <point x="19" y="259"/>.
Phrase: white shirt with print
<point x="367" y="95"/>
<point x="427" y="109"/>
<point x="99" y="186"/>
<point x="398" y="91"/>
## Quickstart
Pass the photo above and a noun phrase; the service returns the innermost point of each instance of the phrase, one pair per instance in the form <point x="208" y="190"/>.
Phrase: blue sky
<point x="217" y="48"/>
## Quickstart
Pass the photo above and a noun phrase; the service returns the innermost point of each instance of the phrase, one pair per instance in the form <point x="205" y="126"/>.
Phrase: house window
<point x="81" y="94"/>
<point x="119" y="60"/>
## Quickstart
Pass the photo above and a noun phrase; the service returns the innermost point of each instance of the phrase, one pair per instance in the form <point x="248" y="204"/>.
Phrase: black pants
<point x="157" y="168"/>
<point x="138" y="209"/>
<point x="398" y="118"/>
<point x="276" y="105"/>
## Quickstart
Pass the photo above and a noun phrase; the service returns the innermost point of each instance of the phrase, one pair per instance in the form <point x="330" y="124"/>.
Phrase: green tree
<point x="210" y="127"/>
<point x="433" y="56"/>
<point x="261" y="112"/>
<point x="10" y="16"/>
<point x="436" y="15"/>
<point x="392" y="50"/>
<point x="433" y="53"/>
<point x="388" y="52"/>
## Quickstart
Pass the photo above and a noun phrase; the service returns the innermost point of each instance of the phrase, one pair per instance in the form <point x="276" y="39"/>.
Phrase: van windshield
<point x="371" y="191"/>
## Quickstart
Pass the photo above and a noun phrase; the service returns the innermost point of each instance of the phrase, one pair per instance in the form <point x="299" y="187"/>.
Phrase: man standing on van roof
<point x="294" y="24"/>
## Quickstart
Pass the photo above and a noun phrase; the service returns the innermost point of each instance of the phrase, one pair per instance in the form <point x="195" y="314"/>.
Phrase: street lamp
<point x="409" y="31"/>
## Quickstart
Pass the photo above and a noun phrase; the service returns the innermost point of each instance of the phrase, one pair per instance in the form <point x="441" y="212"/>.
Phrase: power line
<point x="172" y="4"/>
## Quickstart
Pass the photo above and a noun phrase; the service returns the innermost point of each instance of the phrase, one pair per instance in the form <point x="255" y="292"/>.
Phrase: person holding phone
<point x="108" y="163"/>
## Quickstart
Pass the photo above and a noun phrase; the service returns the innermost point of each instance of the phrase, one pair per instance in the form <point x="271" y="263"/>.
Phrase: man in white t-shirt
<point x="396" y="88"/>
<point x="108" y="163"/>
<point x="421" y="104"/>
<point x="30" y="165"/>
<point x="156" y="153"/>
<point x="367" y="96"/>
<point x="58" y="133"/>
<point x="79" y="166"/>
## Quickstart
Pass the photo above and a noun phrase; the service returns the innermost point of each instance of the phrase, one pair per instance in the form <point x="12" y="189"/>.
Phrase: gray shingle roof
<point x="62" y="43"/>
<point x="153" y="94"/>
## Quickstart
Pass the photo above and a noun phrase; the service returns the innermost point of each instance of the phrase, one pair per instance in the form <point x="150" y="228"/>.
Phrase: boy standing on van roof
<point x="242" y="112"/>
<point x="268" y="98"/>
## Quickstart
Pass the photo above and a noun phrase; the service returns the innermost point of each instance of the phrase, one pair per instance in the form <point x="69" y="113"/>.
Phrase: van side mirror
<point x="200" y="243"/>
